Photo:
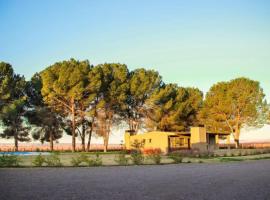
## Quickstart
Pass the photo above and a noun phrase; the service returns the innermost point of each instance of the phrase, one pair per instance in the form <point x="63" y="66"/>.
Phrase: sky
<point x="192" y="43"/>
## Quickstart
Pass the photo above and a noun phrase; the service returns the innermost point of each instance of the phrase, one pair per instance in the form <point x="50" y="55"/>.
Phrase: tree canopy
<point x="79" y="99"/>
<point x="142" y="84"/>
<point x="63" y="87"/>
<point x="173" y="108"/>
<point x="229" y="106"/>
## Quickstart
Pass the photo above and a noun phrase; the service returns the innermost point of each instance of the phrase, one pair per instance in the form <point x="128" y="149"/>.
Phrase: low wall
<point x="239" y="152"/>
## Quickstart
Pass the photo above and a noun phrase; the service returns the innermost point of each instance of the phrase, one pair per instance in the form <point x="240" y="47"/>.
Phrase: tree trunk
<point x="89" y="141"/>
<point x="236" y="137"/>
<point x="73" y="126"/>
<point x="83" y="143"/>
<point x="236" y="143"/>
<point x="83" y="137"/>
<point x="16" y="143"/>
<point x="106" y="141"/>
<point x="51" y="141"/>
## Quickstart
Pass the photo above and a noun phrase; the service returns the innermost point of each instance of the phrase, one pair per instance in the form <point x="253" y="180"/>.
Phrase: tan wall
<point x="153" y="139"/>
<point x="198" y="135"/>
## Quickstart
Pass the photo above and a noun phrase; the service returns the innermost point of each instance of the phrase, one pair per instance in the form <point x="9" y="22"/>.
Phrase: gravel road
<point x="243" y="180"/>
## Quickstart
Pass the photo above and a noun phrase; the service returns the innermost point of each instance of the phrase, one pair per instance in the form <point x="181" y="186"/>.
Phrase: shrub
<point x="137" y="157"/>
<point x="9" y="161"/>
<point x="176" y="157"/>
<point x="77" y="161"/>
<point x="53" y="160"/>
<point x="153" y="154"/>
<point x="39" y="161"/>
<point x="97" y="161"/>
<point x="121" y="158"/>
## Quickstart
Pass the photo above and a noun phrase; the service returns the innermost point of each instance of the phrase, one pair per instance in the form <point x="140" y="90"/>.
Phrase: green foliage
<point x="111" y="93"/>
<point x="96" y="161"/>
<point x="64" y="89"/>
<point x="9" y="161"/>
<point x="80" y="160"/>
<point x="231" y="105"/>
<point x="12" y="86"/>
<point x="156" y="158"/>
<point x="173" y="108"/>
<point x="48" y="124"/>
<point x="12" y="104"/>
<point x="121" y="158"/>
<point x="85" y="160"/>
<point x="137" y="157"/>
<point x="137" y="144"/>
<point x="53" y="160"/>
<point x="14" y="123"/>
<point x="39" y="161"/>
<point x="176" y="157"/>
<point x="153" y="154"/>
<point x="142" y="84"/>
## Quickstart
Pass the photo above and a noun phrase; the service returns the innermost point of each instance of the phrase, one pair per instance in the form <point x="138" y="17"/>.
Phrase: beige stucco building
<point x="196" y="138"/>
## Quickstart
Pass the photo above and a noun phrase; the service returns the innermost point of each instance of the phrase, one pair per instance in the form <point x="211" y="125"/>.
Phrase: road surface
<point x="243" y="180"/>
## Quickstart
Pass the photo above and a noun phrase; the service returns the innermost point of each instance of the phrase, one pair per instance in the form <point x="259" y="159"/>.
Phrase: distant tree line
<point x="76" y="98"/>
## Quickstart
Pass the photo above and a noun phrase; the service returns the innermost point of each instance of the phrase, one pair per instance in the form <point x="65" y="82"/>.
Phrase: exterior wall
<point x="198" y="135"/>
<point x="153" y="139"/>
<point x="198" y="138"/>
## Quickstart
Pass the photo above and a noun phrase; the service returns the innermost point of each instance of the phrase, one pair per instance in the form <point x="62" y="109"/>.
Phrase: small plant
<point x="39" y="161"/>
<point x="53" y="160"/>
<point x="137" y="157"/>
<point x="121" y="158"/>
<point x="211" y="154"/>
<point x="153" y="154"/>
<point x="97" y="161"/>
<point x="77" y="161"/>
<point x="9" y="161"/>
<point x="176" y="157"/>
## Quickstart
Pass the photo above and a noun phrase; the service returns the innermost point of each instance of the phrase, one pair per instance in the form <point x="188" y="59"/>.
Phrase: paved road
<point x="243" y="180"/>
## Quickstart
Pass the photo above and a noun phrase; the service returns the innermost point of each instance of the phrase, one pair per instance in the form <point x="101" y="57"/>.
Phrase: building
<point x="197" y="138"/>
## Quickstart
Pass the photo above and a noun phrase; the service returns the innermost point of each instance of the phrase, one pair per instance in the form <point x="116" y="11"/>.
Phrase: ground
<point x="230" y="180"/>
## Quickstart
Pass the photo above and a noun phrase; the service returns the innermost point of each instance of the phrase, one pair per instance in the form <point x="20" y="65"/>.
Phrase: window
<point x="181" y="141"/>
<point x="150" y="140"/>
<point x="177" y="142"/>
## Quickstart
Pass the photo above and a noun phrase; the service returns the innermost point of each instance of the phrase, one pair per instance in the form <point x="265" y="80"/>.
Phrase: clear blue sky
<point x="192" y="43"/>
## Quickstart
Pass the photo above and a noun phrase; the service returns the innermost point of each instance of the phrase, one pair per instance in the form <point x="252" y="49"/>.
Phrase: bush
<point x="77" y="161"/>
<point x="176" y="157"/>
<point x="137" y="157"/>
<point x="9" y="161"/>
<point x="53" y="160"/>
<point x="97" y="161"/>
<point x="39" y="161"/>
<point x="153" y="154"/>
<point x="121" y="158"/>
